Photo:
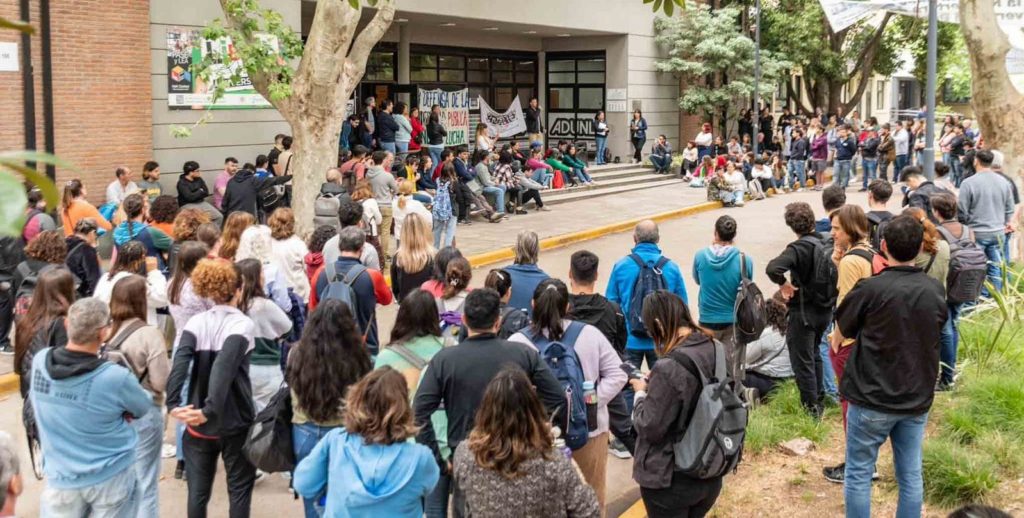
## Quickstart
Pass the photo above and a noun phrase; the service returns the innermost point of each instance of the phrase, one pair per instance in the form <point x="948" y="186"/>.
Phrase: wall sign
<point x="616" y="94"/>
<point x="9" y="56"/>
<point x="188" y="92"/>
<point x="615" y="106"/>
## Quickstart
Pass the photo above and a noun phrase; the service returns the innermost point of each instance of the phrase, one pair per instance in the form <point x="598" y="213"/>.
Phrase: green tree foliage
<point x="715" y="59"/>
<point x="953" y="64"/>
<point x="668" y="6"/>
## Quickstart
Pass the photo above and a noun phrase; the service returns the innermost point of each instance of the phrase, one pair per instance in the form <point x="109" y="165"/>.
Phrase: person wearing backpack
<point x="415" y="339"/>
<point x="633" y="278"/>
<point x="134" y="344"/>
<point x="12" y="253"/>
<point x="810" y="290"/>
<point x="359" y="287"/>
<point x="592" y="365"/>
<point x="452" y="302"/>
<point x="664" y="408"/>
<point x="457" y="378"/>
<point x="879" y="193"/>
<point x="512" y="319"/>
<point x="919" y="190"/>
<point x="326" y="362"/>
<point x="46" y="250"/>
<point x="719" y="271"/>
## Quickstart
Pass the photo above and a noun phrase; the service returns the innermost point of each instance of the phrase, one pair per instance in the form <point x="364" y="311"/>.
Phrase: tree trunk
<point x="316" y="151"/>
<point x="998" y="106"/>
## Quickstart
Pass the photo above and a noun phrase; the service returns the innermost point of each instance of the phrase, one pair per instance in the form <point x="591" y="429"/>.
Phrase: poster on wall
<point x="185" y="91"/>
<point x="507" y="124"/>
<point x="454" y="112"/>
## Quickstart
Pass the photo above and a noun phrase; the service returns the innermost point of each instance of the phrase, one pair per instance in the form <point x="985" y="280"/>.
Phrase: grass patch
<point x="985" y="404"/>
<point x="955" y="474"/>
<point x="783" y="418"/>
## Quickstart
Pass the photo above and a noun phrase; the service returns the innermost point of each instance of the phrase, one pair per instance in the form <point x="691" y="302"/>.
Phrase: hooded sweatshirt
<point x="525" y="278"/>
<point x="716" y="269"/>
<point x="157" y="242"/>
<point x="80" y="404"/>
<point x="83" y="261"/>
<point x="367" y="480"/>
<point x="383" y="185"/>
<point x="191" y="191"/>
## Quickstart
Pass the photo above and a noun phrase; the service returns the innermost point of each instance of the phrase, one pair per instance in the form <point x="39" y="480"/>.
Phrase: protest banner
<point x="507" y="124"/>
<point x="454" y="112"/>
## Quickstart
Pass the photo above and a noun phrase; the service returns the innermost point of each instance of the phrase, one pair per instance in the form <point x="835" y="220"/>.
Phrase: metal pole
<point x="757" y="74"/>
<point x="933" y="45"/>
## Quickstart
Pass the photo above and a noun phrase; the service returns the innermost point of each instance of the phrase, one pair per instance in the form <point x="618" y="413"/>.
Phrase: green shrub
<point x="991" y="402"/>
<point x="956" y="475"/>
<point x="1004" y="449"/>
<point x="783" y="418"/>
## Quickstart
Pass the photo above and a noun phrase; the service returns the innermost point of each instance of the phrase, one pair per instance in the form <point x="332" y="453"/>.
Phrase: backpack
<point x="751" y="317"/>
<point x="877" y="225"/>
<point x="268" y="445"/>
<point x="111" y="351"/>
<point x="561" y="358"/>
<point x="825" y="275"/>
<point x="452" y="330"/>
<point x="877" y="260"/>
<point x="325" y="211"/>
<point x="340" y="288"/>
<point x="270" y="197"/>
<point x="348" y="176"/>
<point x="648" y="280"/>
<point x="712" y="444"/>
<point x="23" y="297"/>
<point x="412" y="376"/>
<point x="968" y="266"/>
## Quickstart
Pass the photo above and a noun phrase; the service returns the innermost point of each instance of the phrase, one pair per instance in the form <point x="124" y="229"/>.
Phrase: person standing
<point x="220" y="186"/>
<point x="83" y="405"/>
<point x="368" y="123"/>
<point x="387" y="127"/>
<point x="535" y="123"/>
<point x="436" y="134"/>
<point x="601" y="131"/>
<point x="846" y="150"/>
<point x="896" y="318"/>
<point x="403" y="135"/>
<point x="525" y="273"/>
<point x="957" y="235"/>
<point x="819" y="158"/>
<point x="704" y="140"/>
<point x="11" y="484"/>
<point x="270" y="324"/>
<point x="919" y="190"/>
<point x="986" y="206"/>
<point x="798" y="154"/>
<point x="82" y="258"/>
<point x="869" y="155"/>
<point x="638" y="134"/>
<point x="384" y="189"/>
<point x="719" y="270"/>
<point x="901" y="143"/>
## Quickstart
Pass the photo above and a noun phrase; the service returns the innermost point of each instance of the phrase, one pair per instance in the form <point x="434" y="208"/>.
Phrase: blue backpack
<point x="565" y="365"/>
<point x="649" y="280"/>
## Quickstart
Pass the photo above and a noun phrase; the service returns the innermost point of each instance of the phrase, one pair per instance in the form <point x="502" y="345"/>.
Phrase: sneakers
<point x="835" y="474"/>
<point x="168" y="451"/>
<point x="521" y="211"/>
<point x="543" y="209"/>
<point x="7" y="350"/>
<point x="616" y="448"/>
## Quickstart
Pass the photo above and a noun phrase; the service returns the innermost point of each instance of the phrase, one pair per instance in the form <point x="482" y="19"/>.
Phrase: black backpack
<point x="649" y="280"/>
<point x="268" y="446"/>
<point x="824" y="275"/>
<point x="751" y="317"/>
<point x="968" y="266"/>
<point x="877" y="225"/>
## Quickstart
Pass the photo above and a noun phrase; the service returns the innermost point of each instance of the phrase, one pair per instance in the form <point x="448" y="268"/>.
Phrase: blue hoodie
<point x="623" y="277"/>
<point x="525" y="278"/>
<point x="716" y="269"/>
<point x="155" y="240"/>
<point x="363" y="480"/>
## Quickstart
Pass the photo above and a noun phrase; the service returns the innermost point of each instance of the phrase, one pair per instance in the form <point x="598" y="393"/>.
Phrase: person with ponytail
<point x="598" y="359"/>
<point x="512" y="319"/>
<point x="131" y="259"/>
<point x="74" y="208"/>
<point x="453" y="300"/>
<point x="135" y="228"/>
<point x="405" y="204"/>
<point x="663" y="406"/>
<point x="270" y="324"/>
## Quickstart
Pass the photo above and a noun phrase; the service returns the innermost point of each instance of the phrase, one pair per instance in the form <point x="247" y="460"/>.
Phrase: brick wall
<point x="101" y="88"/>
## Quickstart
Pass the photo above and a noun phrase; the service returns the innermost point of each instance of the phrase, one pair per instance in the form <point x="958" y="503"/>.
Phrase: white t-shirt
<point x="290" y="256"/>
<point x="116" y="193"/>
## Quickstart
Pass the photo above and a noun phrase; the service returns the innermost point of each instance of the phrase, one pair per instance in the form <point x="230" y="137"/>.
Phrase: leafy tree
<point x="309" y="84"/>
<point x="709" y="52"/>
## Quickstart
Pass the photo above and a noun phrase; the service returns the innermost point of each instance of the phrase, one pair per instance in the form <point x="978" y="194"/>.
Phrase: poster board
<point x="186" y="91"/>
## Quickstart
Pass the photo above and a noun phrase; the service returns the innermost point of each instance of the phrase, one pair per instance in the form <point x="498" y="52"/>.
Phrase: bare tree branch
<point x="355" y="62"/>
<point x="865" y="64"/>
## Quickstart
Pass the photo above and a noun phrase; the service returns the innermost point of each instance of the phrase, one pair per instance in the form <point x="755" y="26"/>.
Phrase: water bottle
<point x="560" y="442"/>
<point x="590" y="399"/>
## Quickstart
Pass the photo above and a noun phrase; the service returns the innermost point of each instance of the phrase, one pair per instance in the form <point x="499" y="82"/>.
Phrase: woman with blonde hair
<point x="414" y="260"/>
<point x="289" y="251"/>
<point x="236" y="223"/>
<point x="369" y="466"/>
<point x="405" y="204"/>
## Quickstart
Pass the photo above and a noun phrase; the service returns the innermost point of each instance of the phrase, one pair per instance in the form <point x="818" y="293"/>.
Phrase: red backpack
<point x="877" y="260"/>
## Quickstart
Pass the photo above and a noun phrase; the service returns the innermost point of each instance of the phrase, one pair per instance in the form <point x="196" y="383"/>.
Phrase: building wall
<point x="242" y="134"/>
<point x="101" y="115"/>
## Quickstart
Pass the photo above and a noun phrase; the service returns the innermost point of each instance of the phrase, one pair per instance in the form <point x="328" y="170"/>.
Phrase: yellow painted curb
<point x="9" y="383"/>
<point x="506" y="254"/>
<point x="636" y="511"/>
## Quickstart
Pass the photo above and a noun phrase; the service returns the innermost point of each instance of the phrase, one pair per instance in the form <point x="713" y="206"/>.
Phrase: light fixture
<point x="490" y="28"/>
<point x="529" y="32"/>
<point x="402" y="20"/>
<point x="448" y="24"/>
<point x="564" y="35"/>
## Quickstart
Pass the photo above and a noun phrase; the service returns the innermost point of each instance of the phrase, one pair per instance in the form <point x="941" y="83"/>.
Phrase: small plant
<point x="992" y="402"/>
<point x="783" y="418"/>
<point x="955" y="475"/>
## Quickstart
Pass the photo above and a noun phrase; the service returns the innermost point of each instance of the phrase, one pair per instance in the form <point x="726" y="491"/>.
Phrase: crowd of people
<point x="211" y="313"/>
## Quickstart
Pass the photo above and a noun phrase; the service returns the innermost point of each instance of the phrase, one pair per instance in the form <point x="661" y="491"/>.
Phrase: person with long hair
<point x="82" y="258"/>
<point x="74" y="207"/>
<point x="457" y="277"/>
<point x="131" y="260"/>
<point x="135" y="228"/>
<point x="141" y="348"/>
<point x="601" y="130"/>
<point x="417" y="129"/>
<point x="638" y="134"/>
<point x="36" y="217"/>
<point x="663" y="406"/>
<point x="436" y="134"/>
<point x="413" y="264"/>
<point x="186" y="228"/>
<point x="405" y="205"/>
<point x="510" y="454"/>
<point x="256" y="243"/>
<point x="327" y="361"/>
<point x="217" y="407"/>
<point x="512" y="319"/>
<point x="601" y="371"/>
<point x="370" y="467"/>
<point x="444" y="211"/>
<point x="767" y="359"/>
<point x="314" y="260"/>
<point x="43" y="325"/>
<point x="270" y="324"/>
<point x="435" y="286"/>
<point x="289" y="251"/>
<point x="236" y="223"/>
<point x="372" y="217"/>
<point x="46" y="249"/>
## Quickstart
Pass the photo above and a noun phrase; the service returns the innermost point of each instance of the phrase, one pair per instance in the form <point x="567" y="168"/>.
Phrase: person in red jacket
<point x="417" y="129"/>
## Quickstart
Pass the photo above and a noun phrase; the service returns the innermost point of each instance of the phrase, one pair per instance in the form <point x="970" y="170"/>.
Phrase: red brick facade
<point x="101" y="88"/>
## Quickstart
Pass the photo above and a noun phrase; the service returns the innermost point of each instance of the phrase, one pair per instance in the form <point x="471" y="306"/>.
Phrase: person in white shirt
<point x="131" y="259"/>
<point x="732" y="196"/>
<point x="761" y="179"/>
<point x="901" y="140"/>
<point x="704" y="139"/>
<point x="289" y="251"/>
<point x="405" y="205"/>
<point x="122" y="187"/>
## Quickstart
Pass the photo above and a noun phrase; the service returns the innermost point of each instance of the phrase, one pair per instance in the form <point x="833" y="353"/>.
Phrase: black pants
<point x="638" y="147"/>
<point x="621" y="422"/>
<point x="765" y="385"/>
<point x="462" y="198"/>
<point x="802" y="338"/>
<point x="525" y="195"/>
<point x="201" y="467"/>
<point x="6" y="313"/>
<point x="685" y="498"/>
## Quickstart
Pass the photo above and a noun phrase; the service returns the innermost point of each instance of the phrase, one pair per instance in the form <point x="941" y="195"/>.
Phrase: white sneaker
<point x="168" y="451"/>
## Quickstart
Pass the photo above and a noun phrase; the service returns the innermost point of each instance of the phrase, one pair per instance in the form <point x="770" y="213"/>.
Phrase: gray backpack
<point x="325" y="211"/>
<point x="712" y="444"/>
<point x="968" y="266"/>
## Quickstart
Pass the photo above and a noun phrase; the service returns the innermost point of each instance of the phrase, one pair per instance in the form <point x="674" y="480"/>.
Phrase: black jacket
<point x="457" y="377"/>
<point x="661" y="418"/>
<point x="798" y="259"/>
<point x="533" y="122"/>
<point x="799" y="149"/>
<point x="603" y="314"/>
<point x="191" y="191"/>
<point x="921" y="198"/>
<point x="435" y="133"/>
<point x="386" y="127"/>
<point x="869" y="148"/>
<point x="83" y="261"/>
<point x="243" y="191"/>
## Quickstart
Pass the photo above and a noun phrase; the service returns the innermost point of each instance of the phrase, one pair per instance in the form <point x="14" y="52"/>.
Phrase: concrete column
<point x="542" y="86"/>
<point x="403" y="53"/>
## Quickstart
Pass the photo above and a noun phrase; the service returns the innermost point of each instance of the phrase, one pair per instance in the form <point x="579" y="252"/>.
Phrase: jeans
<point x="949" y="341"/>
<point x="117" y="497"/>
<point x="901" y="162"/>
<point x="870" y="167"/>
<point x="797" y="172"/>
<point x="423" y="198"/>
<point x="602" y="144"/>
<point x="389" y="146"/>
<point x="266" y="380"/>
<point x="955" y="169"/>
<point x="435" y="505"/>
<point x="828" y="374"/>
<point x="802" y="339"/>
<point x="543" y="177"/>
<point x="435" y="153"/>
<point x="661" y="162"/>
<point x="992" y="244"/>
<point x="865" y="434"/>
<point x="843" y="169"/>
<point x="150" y="429"/>
<point x="636" y="357"/>
<point x="402" y="147"/>
<point x="499" y="198"/>
<point x="581" y="174"/>
<point x="638" y="147"/>
<point x="444" y="228"/>
<point x="734" y="197"/>
<point x="201" y="465"/>
<point x="304" y="437"/>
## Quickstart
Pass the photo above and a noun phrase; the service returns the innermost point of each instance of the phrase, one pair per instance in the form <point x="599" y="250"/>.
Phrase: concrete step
<point x="609" y="188"/>
<point x="606" y="174"/>
<point x="606" y="182"/>
<point x="616" y="167"/>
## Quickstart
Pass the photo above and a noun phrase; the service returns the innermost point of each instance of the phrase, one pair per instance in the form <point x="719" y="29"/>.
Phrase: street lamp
<point x="930" y="86"/>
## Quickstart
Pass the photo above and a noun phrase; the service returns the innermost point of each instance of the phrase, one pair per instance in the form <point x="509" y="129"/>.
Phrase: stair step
<point x="605" y="183"/>
<point x="610" y="188"/>
<point x="604" y="174"/>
